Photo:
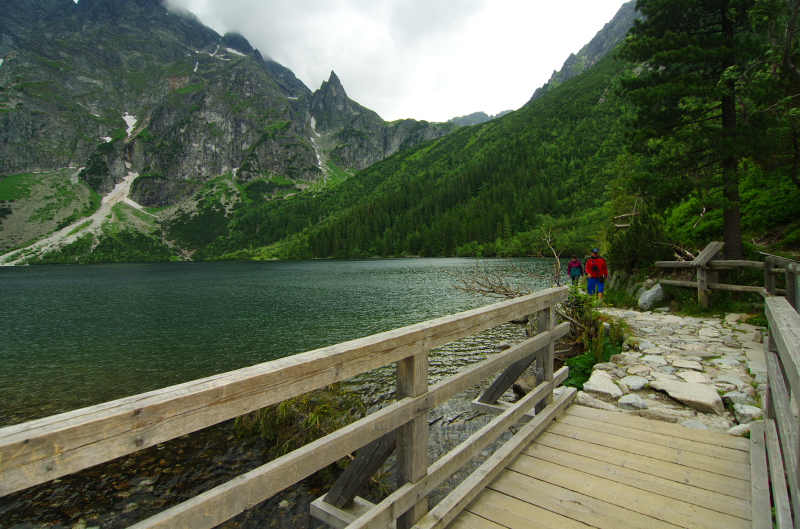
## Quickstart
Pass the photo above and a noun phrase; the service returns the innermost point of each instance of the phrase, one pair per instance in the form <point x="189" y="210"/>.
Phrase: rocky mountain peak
<point x="332" y="109"/>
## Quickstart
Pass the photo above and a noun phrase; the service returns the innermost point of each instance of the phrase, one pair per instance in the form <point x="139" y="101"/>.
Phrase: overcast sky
<point x="422" y="59"/>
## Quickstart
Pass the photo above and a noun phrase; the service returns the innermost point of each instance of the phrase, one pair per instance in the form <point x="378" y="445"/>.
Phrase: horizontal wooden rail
<point x="716" y="264"/>
<point x="713" y="286"/>
<point x="225" y="501"/>
<point x="383" y="514"/>
<point x="44" y="449"/>
<point x="781" y="426"/>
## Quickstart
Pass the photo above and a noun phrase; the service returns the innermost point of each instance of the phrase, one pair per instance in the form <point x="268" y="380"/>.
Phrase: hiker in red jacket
<point x="597" y="270"/>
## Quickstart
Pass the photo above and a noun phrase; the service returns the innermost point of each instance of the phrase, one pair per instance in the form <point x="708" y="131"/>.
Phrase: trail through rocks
<point x="704" y="373"/>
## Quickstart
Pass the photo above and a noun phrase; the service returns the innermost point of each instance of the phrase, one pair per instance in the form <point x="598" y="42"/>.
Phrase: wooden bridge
<point x="566" y="466"/>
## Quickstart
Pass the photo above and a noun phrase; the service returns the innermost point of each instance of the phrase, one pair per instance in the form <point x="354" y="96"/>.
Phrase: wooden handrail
<point x="41" y="450"/>
<point x="782" y="433"/>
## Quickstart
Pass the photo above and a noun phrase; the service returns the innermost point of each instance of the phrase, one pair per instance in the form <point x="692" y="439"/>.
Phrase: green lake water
<point x="73" y="336"/>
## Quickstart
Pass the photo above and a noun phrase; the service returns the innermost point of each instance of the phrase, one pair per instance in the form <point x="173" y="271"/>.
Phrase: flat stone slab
<point x="654" y="360"/>
<point x="635" y="383"/>
<point x="639" y="370"/>
<point x="687" y="364"/>
<point x="693" y="377"/>
<point x="632" y="402"/>
<point x="730" y="362"/>
<point x="701" y="397"/>
<point x="601" y="384"/>
<point x="746" y="414"/>
<point x="584" y="399"/>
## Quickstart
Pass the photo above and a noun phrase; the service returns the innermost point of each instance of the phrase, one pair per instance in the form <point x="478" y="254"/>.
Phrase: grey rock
<point x="701" y="397"/>
<point x="632" y="402"/>
<point x="667" y="369"/>
<point x="756" y="367"/>
<point x="623" y="387"/>
<point x="584" y="399"/>
<point x="725" y="362"/>
<point x="635" y="383"/>
<point x="687" y="364"/>
<point x="654" y="360"/>
<point x="746" y="414"/>
<point x="738" y="397"/>
<point x="657" y="415"/>
<point x="601" y="384"/>
<point x="606" y="366"/>
<point x="761" y="378"/>
<point x="651" y="297"/>
<point x="731" y="342"/>
<point x="694" y="423"/>
<point x="739" y="430"/>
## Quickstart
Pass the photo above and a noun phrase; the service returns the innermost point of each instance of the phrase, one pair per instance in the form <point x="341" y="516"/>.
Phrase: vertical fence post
<point x="768" y="406"/>
<point x="791" y="288"/>
<point x="544" y="323"/>
<point x="702" y="287"/>
<point x="412" y="437"/>
<point x="769" y="277"/>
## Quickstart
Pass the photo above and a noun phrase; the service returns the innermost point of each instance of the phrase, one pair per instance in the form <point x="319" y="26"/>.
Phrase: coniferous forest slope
<point x="699" y="145"/>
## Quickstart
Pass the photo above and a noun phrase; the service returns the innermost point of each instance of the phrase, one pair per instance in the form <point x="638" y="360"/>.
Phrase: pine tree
<point x="693" y="53"/>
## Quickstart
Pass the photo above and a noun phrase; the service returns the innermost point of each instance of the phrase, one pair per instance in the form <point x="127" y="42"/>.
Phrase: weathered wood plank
<point x="791" y="289"/>
<point x="513" y="512"/>
<point x="736" y="488"/>
<point x="759" y="478"/>
<point x="674" y="264"/>
<point x="464" y="493"/>
<point x="659" y="507"/>
<point x="472" y="521"/>
<point x="665" y="428"/>
<point x="785" y="419"/>
<point x="708" y="253"/>
<point x="385" y="512"/>
<point x="506" y="379"/>
<point x="780" y="495"/>
<point x="731" y="263"/>
<point x="368" y="460"/>
<point x="657" y="439"/>
<point x="546" y="323"/>
<point x="412" y="437"/>
<point x="734" y="288"/>
<point x="789" y="264"/>
<point x="635" y="446"/>
<point x="702" y="287"/>
<point x="225" y="501"/>
<point x="784" y="324"/>
<point x="769" y="277"/>
<point x="676" y="490"/>
<point x="676" y="283"/>
<point x="580" y="507"/>
<point x="45" y="449"/>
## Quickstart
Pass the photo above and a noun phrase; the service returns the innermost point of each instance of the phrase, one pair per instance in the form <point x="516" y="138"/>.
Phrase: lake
<point x="73" y="336"/>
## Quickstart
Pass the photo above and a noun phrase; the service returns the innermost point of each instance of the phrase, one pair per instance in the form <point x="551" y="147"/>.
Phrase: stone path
<point x="702" y="373"/>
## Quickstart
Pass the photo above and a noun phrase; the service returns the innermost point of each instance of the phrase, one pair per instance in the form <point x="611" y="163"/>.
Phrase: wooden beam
<point x="676" y="283"/>
<point x="446" y="511"/>
<point x="769" y="278"/>
<point x="217" y="505"/>
<point x="44" y="449"/>
<point x="702" y="287"/>
<point x="780" y="495"/>
<point x="735" y="288"/>
<point x="546" y="323"/>
<point x="708" y="253"/>
<point x="776" y="260"/>
<point x="784" y="325"/>
<point x="759" y="478"/>
<point x="791" y="289"/>
<point x="412" y="437"/>
<point x="386" y="511"/>
<point x="368" y="460"/>
<point x="506" y="379"/>
<point x="727" y="264"/>
<point x="674" y="264"/>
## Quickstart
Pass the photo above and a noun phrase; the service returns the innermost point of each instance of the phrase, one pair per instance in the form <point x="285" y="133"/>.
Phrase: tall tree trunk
<point x="732" y="216"/>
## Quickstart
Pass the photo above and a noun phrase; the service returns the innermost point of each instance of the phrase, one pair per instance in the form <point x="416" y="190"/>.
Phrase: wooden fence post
<point x="545" y="323"/>
<point x="412" y="437"/>
<point x="769" y="278"/>
<point x="791" y="288"/>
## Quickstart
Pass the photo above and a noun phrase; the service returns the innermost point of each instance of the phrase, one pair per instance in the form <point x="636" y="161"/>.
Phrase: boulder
<point x="739" y="430"/>
<point x="601" y="384"/>
<point x="651" y="297"/>
<point x="701" y="397"/>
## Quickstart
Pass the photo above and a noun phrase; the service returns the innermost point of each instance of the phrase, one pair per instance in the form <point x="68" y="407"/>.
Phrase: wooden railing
<point x="707" y="268"/>
<point x="45" y="449"/>
<point x="776" y="461"/>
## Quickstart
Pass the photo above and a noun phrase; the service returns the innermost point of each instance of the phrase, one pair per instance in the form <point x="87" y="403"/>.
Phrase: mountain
<point x="603" y="42"/>
<point x="476" y="118"/>
<point x="126" y="92"/>
<point x="355" y="137"/>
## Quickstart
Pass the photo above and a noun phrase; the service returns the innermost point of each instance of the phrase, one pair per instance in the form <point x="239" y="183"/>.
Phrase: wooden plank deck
<point x="595" y="468"/>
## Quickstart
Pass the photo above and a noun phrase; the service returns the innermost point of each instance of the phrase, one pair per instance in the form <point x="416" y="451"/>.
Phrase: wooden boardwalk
<point x="594" y="468"/>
